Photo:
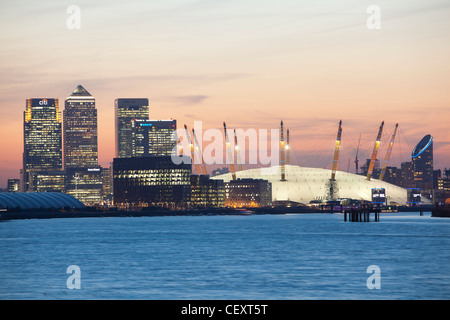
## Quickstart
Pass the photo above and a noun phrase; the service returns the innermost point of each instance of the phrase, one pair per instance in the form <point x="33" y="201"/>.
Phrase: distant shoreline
<point x="99" y="213"/>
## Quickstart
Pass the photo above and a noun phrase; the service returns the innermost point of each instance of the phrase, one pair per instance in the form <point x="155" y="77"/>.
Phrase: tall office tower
<point x="407" y="175"/>
<point x="422" y="159"/>
<point x="42" y="135"/>
<point x="127" y="110"/>
<point x="80" y="130"/>
<point x="153" y="137"/>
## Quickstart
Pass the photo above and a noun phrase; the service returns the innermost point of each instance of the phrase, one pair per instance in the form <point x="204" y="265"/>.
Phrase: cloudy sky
<point x="250" y="63"/>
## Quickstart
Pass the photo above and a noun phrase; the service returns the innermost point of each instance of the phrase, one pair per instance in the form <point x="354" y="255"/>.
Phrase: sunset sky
<point x="250" y="63"/>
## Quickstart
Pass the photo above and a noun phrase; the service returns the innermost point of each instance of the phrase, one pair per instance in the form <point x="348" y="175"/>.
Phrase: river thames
<point x="255" y="257"/>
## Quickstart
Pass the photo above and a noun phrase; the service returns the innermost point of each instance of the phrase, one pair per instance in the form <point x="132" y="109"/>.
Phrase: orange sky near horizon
<point x="249" y="63"/>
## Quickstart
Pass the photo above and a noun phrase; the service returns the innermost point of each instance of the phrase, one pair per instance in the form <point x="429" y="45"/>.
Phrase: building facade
<point x="42" y="132"/>
<point x="80" y="130"/>
<point x="153" y="137"/>
<point x="422" y="160"/>
<point x="13" y="185"/>
<point x="85" y="184"/>
<point x="248" y="193"/>
<point x="206" y="193"/>
<point x="127" y="110"/>
<point x="151" y="182"/>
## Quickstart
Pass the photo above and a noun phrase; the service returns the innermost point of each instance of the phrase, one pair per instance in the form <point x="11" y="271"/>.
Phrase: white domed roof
<point x="305" y="184"/>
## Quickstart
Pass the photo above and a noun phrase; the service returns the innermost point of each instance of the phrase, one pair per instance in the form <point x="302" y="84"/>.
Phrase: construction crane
<point x="199" y="152"/>
<point x="195" y="166"/>
<point x="282" y="153"/>
<point x="337" y="147"/>
<point x="230" y="154"/>
<point x="356" y="157"/>
<point x="288" y="148"/>
<point x="388" y="153"/>
<point x="238" y="153"/>
<point x="374" y="152"/>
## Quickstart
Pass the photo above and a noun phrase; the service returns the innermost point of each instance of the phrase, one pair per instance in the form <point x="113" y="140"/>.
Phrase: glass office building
<point x="80" y="130"/>
<point x="248" y="193"/>
<point x="422" y="159"/>
<point x="42" y="132"/>
<point x="151" y="182"/>
<point x="153" y="137"/>
<point x="126" y="111"/>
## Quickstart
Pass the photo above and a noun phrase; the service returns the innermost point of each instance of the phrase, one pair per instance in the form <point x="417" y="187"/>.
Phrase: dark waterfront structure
<point x="80" y="130"/>
<point x="206" y="193"/>
<point x="422" y="159"/>
<point x="151" y="182"/>
<point x="153" y="137"/>
<point x="42" y="132"/>
<point x="127" y="110"/>
<point x="248" y="193"/>
<point x="38" y="201"/>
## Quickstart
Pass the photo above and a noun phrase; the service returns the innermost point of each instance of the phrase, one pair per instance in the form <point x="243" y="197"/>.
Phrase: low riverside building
<point x="154" y="181"/>
<point x="248" y="193"/>
<point x="206" y="193"/>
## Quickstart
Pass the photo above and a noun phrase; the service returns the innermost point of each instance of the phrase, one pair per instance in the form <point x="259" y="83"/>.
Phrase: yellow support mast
<point x="282" y="153"/>
<point x="388" y="153"/>
<point x="238" y="153"/>
<point x="288" y="148"/>
<point x="374" y="152"/>
<point x="337" y="148"/>
<point x="199" y="153"/>
<point x="230" y="154"/>
<point x="195" y="166"/>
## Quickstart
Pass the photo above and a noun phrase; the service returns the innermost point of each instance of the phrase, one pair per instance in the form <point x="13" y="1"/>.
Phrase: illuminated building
<point x="42" y="134"/>
<point x="151" y="182"/>
<point x="127" y="110"/>
<point x="407" y="175"/>
<point x="422" y="159"/>
<point x="206" y="193"/>
<point x="310" y="184"/>
<point x="13" y="185"/>
<point x="49" y="181"/>
<point x="80" y="130"/>
<point x="85" y="184"/>
<point x="153" y="137"/>
<point x="248" y="193"/>
<point x="107" y="190"/>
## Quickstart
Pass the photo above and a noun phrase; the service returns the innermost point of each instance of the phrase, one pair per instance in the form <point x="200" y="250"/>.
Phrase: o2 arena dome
<point x="306" y="184"/>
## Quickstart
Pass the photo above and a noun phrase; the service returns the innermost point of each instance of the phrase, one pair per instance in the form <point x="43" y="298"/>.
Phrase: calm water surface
<point x="305" y="256"/>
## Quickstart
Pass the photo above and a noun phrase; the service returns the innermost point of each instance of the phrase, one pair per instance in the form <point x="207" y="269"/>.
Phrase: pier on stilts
<point x="361" y="214"/>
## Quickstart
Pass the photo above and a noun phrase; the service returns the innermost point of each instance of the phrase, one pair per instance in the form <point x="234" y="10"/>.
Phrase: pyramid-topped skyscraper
<point x="79" y="92"/>
<point x="80" y="130"/>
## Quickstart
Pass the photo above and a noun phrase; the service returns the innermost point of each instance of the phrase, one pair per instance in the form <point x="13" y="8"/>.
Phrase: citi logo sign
<point x="43" y="102"/>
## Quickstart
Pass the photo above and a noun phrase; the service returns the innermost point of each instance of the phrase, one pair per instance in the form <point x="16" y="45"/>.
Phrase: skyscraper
<point x="83" y="175"/>
<point x="80" y="130"/>
<point x="42" y="135"/>
<point x="422" y="159"/>
<point x="153" y="137"/>
<point x="127" y="110"/>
